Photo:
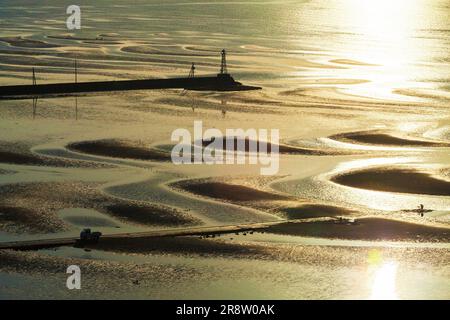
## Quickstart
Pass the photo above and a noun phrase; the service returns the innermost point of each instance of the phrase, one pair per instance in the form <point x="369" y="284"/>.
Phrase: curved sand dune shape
<point x="282" y="148"/>
<point x="27" y="43"/>
<point x="226" y="191"/>
<point x="380" y="138"/>
<point x="363" y="229"/>
<point x="117" y="148"/>
<point x="16" y="153"/>
<point x="280" y="205"/>
<point x="308" y="211"/>
<point x="128" y="149"/>
<point x="33" y="207"/>
<point x="394" y="180"/>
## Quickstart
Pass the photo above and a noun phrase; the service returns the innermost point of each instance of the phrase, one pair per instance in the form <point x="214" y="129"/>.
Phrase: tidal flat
<point x="364" y="119"/>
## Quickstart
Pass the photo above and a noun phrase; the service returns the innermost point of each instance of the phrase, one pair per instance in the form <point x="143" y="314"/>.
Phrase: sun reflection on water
<point x="384" y="283"/>
<point x="388" y="34"/>
<point x="385" y="276"/>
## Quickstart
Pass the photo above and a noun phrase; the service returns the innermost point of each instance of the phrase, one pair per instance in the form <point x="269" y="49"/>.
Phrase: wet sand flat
<point x="394" y="180"/>
<point x="33" y="207"/>
<point x="327" y="76"/>
<point x="177" y="245"/>
<point x="256" y="194"/>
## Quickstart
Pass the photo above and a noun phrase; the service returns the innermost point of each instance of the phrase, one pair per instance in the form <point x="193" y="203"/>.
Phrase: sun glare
<point x="387" y="37"/>
<point x="384" y="283"/>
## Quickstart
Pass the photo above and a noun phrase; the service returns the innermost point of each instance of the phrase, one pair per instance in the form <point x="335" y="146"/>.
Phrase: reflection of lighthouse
<point x="224" y="107"/>
<point x="35" y="99"/>
<point x="192" y="71"/>
<point x="224" y="75"/>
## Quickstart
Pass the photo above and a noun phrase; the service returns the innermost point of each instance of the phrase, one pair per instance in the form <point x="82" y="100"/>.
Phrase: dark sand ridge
<point x="281" y="205"/>
<point x="27" y="43"/>
<point x="226" y="191"/>
<point x="117" y="148"/>
<point x="364" y="229"/>
<point x="282" y="149"/>
<point x="33" y="207"/>
<point x="19" y="153"/>
<point x="22" y="53"/>
<point x="308" y="211"/>
<point x="380" y="138"/>
<point x="394" y="180"/>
